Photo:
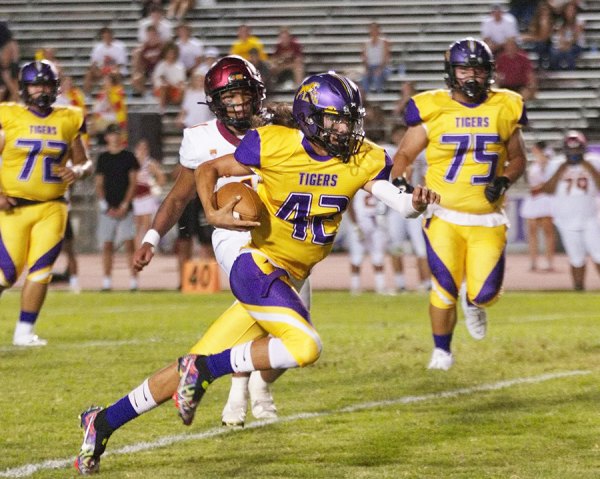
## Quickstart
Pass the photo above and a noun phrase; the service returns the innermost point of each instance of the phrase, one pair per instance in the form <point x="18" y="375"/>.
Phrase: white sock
<point x="22" y="329"/>
<point x="106" y="282"/>
<point x="141" y="399"/>
<point x="400" y="281"/>
<point x="241" y="358"/>
<point x="379" y="282"/>
<point x="133" y="283"/>
<point x="355" y="282"/>
<point x="239" y="389"/>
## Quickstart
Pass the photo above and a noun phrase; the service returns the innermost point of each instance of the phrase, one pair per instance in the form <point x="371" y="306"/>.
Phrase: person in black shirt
<point x="115" y="188"/>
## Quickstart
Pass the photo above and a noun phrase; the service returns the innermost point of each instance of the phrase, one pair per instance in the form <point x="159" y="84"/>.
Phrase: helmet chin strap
<point x="473" y="89"/>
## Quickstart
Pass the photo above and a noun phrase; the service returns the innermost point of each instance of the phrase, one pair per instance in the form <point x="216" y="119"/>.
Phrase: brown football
<point x="249" y="207"/>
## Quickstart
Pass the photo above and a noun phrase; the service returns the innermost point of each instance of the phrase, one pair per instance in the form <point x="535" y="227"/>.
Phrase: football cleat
<point x="195" y="379"/>
<point x="261" y="398"/>
<point x="441" y="359"/>
<point x="94" y="442"/>
<point x="234" y="413"/>
<point x="29" y="341"/>
<point x="475" y="317"/>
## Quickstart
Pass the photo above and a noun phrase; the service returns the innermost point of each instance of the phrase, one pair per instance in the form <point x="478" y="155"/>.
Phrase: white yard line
<point x="29" y="469"/>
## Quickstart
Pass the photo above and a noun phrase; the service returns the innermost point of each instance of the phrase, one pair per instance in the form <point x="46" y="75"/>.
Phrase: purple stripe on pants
<point x="7" y="266"/>
<point x="439" y="271"/>
<point x="48" y="258"/>
<point x="493" y="283"/>
<point x="251" y="285"/>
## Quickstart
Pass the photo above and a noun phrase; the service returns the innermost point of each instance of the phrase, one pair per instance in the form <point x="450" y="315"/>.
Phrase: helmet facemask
<point x="470" y="53"/>
<point x="39" y="73"/>
<point x="238" y="115"/>
<point x="340" y="135"/>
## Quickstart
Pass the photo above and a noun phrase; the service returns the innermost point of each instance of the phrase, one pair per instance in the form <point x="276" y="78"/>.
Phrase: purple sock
<point x="28" y="317"/>
<point x="442" y="341"/>
<point x="219" y="364"/>
<point x="120" y="413"/>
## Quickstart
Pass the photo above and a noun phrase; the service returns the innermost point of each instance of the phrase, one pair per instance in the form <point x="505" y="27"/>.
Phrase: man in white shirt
<point x="156" y="18"/>
<point x="108" y="56"/>
<point x="191" y="49"/>
<point x="498" y="27"/>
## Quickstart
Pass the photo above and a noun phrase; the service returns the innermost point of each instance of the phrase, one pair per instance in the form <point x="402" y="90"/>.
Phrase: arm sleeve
<point x="390" y="195"/>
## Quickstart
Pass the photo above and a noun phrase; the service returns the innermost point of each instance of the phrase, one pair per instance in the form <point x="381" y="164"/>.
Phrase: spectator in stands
<point x="155" y="18"/>
<point x="523" y="11"/>
<point x="575" y="186"/>
<point x="116" y="173"/>
<point x="569" y="39"/>
<point x="515" y="71"/>
<point x="149" y="180"/>
<point x="407" y="90"/>
<point x="263" y="67"/>
<point x="168" y="78"/>
<point x="193" y="107"/>
<point x="376" y="55"/>
<point x="498" y="27"/>
<point x="49" y="53"/>
<point x="9" y="65"/>
<point x="108" y="56"/>
<point x="539" y="34"/>
<point x="211" y="54"/>
<point x="375" y="122"/>
<point x="287" y="62"/>
<point x="537" y="208"/>
<point x="70" y="94"/>
<point x="145" y="59"/>
<point x="178" y="9"/>
<point x="109" y="107"/>
<point x="191" y="49"/>
<point x="246" y="42"/>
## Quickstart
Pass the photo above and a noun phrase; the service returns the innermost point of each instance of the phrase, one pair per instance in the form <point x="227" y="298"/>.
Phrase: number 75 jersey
<point x="34" y="146"/>
<point x="467" y="144"/>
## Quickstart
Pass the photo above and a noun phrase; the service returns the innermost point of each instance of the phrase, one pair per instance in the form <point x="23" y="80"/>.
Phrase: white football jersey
<point x="575" y="196"/>
<point x="208" y="141"/>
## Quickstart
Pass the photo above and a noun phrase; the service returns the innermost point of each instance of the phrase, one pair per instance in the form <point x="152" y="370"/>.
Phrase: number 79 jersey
<point x="33" y="147"/>
<point x="303" y="193"/>
<point x="467" y="144"/>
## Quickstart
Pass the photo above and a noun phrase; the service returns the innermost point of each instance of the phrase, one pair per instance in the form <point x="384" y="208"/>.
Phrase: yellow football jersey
<point x="33" y="147"/>
<point x="304" y="194"/>
<point x="467" y="144"/>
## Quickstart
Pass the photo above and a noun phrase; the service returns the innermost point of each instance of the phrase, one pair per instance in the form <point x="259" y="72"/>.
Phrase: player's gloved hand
<point x="496" y="188"/>
<point x="403" y="185"/>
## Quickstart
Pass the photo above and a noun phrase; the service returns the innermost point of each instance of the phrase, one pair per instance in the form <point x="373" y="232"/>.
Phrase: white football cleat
<point x="234" y="414"/>
<point x="261" y="399"/>
<point x="475" y="317"/>
<point x="29" y="341"/>
<point x="441" y="359"/>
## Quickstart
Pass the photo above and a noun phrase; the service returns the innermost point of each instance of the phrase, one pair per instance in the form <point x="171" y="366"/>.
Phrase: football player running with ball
<point x="474" y="151"/>
<point x="235" y="94"/>
<point x="308" y="177"/>
<point x="36" y="142"/>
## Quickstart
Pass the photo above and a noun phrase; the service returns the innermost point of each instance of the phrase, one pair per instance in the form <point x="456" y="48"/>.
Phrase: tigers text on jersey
<point x="467" y="144"/>
<point x="305" y="194"/>
<point x="34" y="146"/>
<point x="207" y="141"/>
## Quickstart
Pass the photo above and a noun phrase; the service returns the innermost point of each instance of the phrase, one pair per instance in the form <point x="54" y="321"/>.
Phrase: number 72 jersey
<point x="467" y="144"/>
<point x="34" y="146"/>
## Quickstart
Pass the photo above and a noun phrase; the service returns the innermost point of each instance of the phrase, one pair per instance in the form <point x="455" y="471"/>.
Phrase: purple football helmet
<point x="338" y="98"/>
<point x="230" y="73"/>
<point x="40" y="72"/>
<point x="469" y="52"/>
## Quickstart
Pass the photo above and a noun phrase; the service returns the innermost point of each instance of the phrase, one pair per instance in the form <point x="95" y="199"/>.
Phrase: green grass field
<point x="523" y="403"/>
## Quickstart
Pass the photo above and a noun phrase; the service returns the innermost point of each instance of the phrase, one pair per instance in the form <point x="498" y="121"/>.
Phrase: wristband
<point x="78" y="171"/>
<point x="102" y="205"/>
<point x="151" y="237"/>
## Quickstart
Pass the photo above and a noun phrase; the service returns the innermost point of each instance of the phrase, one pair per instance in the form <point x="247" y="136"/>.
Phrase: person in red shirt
<point x="515" y="71"/>
<point x="287" y="62"/>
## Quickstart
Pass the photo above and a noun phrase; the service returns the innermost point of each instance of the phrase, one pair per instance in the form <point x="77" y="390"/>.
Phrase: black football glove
<point x="403" y="185"/>
<point x="496" y="188"/>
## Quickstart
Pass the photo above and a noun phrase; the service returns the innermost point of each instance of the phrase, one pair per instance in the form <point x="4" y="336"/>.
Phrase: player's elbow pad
<point x="390" y="195"/>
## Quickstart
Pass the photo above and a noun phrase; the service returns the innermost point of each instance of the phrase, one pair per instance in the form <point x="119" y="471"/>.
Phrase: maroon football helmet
<point x="230" y="73"/>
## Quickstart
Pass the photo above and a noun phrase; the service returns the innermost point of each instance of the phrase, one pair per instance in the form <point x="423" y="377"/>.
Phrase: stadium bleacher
<point x="332" y="34"/>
